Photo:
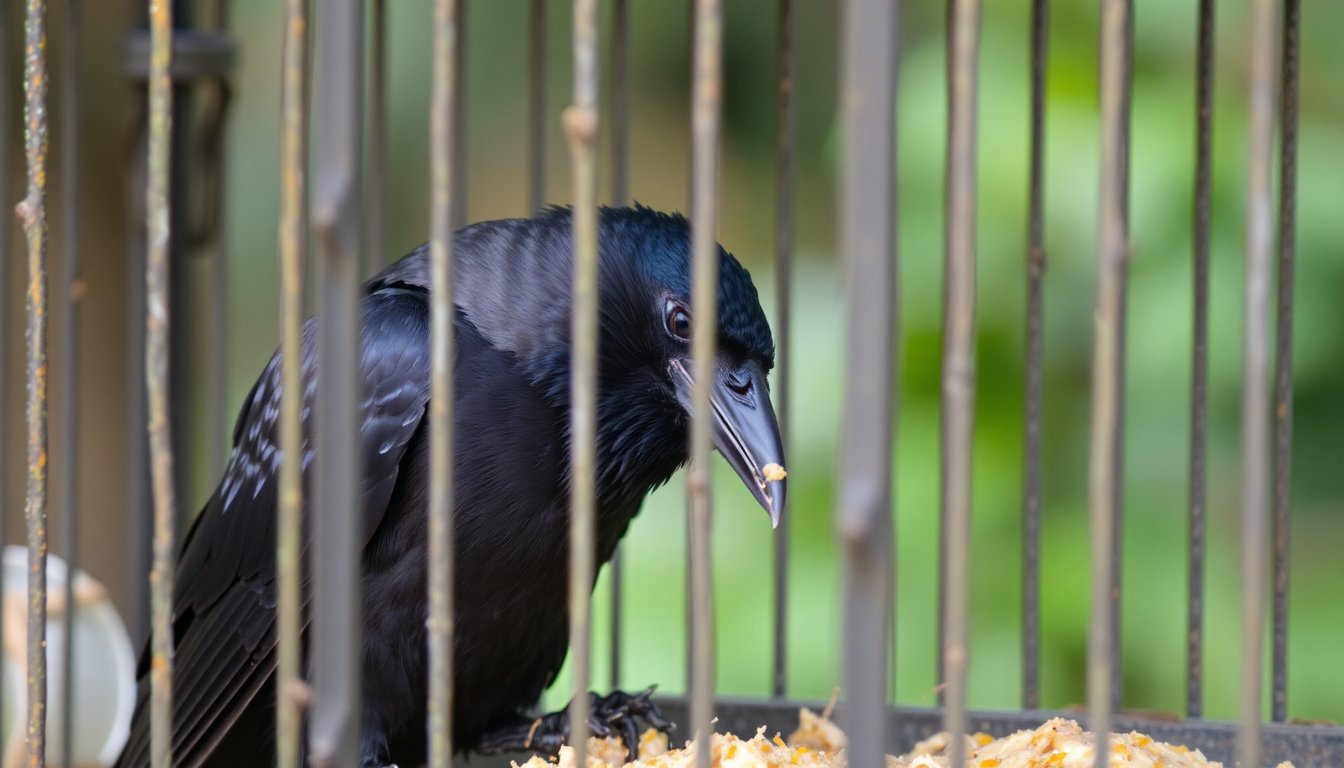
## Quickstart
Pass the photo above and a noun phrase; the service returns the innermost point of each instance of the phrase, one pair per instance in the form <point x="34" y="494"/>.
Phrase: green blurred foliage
<point x="1159" y="346"/>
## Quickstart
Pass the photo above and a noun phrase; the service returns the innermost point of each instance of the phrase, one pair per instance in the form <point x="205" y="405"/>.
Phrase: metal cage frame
<point x="174" y="55"/>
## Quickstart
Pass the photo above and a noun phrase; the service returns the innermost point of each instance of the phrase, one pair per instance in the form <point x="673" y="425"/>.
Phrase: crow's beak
<point x="745" y="430"/>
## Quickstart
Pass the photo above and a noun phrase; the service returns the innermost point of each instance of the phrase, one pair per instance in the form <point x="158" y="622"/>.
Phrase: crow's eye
<point x="678" y="321"/>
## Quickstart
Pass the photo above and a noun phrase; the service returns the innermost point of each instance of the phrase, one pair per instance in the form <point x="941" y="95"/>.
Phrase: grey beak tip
<point x="775" y="505"/>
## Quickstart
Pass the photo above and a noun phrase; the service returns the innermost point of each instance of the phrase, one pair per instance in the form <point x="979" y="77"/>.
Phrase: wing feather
<point x="224" y="606"/>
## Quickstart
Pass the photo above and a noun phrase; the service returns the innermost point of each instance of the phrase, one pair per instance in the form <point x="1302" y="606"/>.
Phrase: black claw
<point x="616" y="714"/>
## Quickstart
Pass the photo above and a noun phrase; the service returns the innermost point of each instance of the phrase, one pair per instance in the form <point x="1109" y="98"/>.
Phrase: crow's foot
<point x="616" y="714"/>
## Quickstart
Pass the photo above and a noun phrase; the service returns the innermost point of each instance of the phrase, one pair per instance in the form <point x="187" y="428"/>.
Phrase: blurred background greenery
<point x="1159" y="342"/>
<point x="1158" y="375"/>
<point x="1159" y="331"/>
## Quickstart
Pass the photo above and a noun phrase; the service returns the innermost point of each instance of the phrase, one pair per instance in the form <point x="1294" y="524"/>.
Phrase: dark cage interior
<point x="1082" y="465"/>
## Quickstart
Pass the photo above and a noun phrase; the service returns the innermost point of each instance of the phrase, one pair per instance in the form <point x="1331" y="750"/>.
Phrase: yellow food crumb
<point x="990" y="763"/>
<point x="772" y="472"/>
<point x="981" y="739"/>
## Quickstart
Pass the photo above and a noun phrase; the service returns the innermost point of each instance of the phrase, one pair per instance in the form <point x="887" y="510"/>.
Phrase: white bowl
<point x="103" y="666"/>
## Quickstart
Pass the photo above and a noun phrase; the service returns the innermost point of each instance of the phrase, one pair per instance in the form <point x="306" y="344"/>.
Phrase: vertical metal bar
<point x="442" y="152"/>
<point x="785" y="163"/>
<point x="620" y="195"/>
<point x="158" y="335"/>
<point x="536" y="106"/>
<point x="1255" y="419"/>
<point x="1118" y="453"/>
<point x="706" y="118"/>
<point x="6" y="9"/>
<point x="581" y="123"/>
<point x="336" y="214"/>
<point x="692" y="12"/>
<point x="1036" y="260"/>
<point x="461" y="40"/>
<point x="293" y="238"/>
<point x="217" y="364"/>
<point x="32" y="211"/>
<point x="1283" y="352"/>
<point x="186" y="366"/>
<point x="71" y="270"/>
<point x="867" y="213"/>
<point x="958" y="388"/>
<point x="1107" y="368"/>
<point x="375" y="255"/>
<point x="1199" y="400"/>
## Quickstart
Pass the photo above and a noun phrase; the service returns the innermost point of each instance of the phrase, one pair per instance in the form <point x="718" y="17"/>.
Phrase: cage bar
<point x="1255" y="400"/>
<point x="1199" y="399"/>
<point x="1035" y="263"/>
<point x="293" y="237"/>
<point x="706" y="121"/>
<point x="215" y="238"/>
<point x="581" y="123"/>
<point x="786" y="152"/>
<point x="536" y="106"/>
<point x="5" y="111"/>
<point x="157" y="345"/>
<point x="71" y="274"/>
<point x="375" y="187"/>
<point x="620" y="195"/>
<point x="462" y="39"/>
<point x="334" y="723"/>
<point x="958" y="386"/>
<point x="32" y="211"/>
<point x="1283" y="352"/>
<point x="867" y="204"/>
<point x="1108" y="370"/>
<point x="442" y="152"/>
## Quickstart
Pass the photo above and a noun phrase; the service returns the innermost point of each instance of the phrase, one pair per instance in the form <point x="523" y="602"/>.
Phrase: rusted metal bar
<point x="581" y="123"/>
<point x="958" y="388"/>
<point x="1108" y="368"/>
<point x="158" y="335"/>
<point x="786" y="151"/>
<point x="620" y="195"/>
<point x="32" y="211"/>
<point x="536" y="106"/>
<point x="1255" y="399"/>
<point x="375" y="255"/>
<point x="334" y="724"/>
<point x="867" y="204"/>
<point x="293" y="238"/>
<point x="71" y="271"/>
<point x="706" y="119"/>
<point x="1283" y="352"/>
<point x="1031" y="486"/>
<point x="442" y="122"/>
<point x="1199" y="399"/>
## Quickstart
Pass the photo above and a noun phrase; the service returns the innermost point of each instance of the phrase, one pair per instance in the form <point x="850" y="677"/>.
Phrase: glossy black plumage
<point x="512" y="379"/>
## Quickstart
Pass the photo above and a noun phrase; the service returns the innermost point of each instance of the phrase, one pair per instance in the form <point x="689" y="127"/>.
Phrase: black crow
<point x="512" y="511"/>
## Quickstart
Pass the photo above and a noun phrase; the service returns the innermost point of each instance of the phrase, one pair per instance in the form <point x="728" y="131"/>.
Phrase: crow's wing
<point x="224" y="602"/>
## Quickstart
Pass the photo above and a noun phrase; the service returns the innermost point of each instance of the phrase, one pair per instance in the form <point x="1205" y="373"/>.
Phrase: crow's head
<point x="647" y="324"/>
<point x="513" y="285"/>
